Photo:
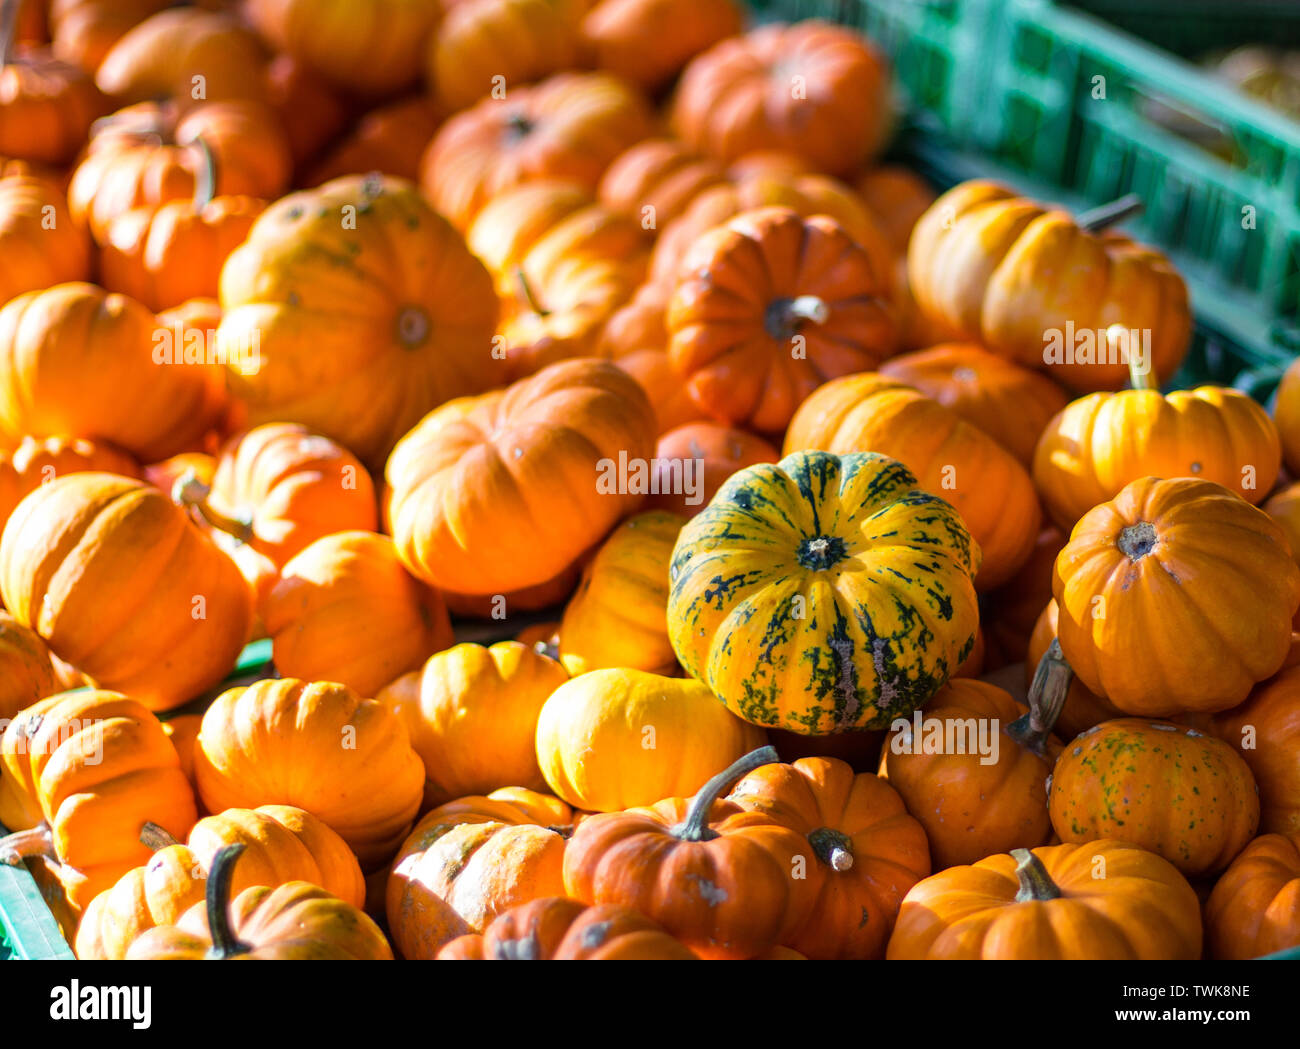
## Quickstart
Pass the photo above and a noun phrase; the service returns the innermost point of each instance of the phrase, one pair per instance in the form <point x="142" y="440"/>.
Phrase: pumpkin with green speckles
<point x="1173" y="790"/>
<point x="824" y="593"/>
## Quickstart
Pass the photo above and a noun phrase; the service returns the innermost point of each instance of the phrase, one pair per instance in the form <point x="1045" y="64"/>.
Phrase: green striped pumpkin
<point x="824" y="593"/>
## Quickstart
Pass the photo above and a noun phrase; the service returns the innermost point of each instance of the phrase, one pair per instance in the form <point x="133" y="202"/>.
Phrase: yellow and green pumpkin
<point x="824" y="593"/>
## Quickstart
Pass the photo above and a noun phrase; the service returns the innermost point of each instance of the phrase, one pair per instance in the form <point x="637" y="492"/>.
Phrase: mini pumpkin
<point x="655" y="181"/>
<point x="1252" y="910"/>
<point x="1082" y="709"/>
<point x="26" y="673"/>
<point x="35" y="462"/>
<point x="897" y="197"/>
<point x="693" y="461"/>
<point x="1286" y="414"/>
<point x="650" y="41"/>
<point x="848" y="598"/>
<point x="40" y="245"/>
<point x="389" y="140"/>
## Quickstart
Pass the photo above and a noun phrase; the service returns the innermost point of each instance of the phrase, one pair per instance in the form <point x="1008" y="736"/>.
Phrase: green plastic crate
<point x="1191" y="28"/>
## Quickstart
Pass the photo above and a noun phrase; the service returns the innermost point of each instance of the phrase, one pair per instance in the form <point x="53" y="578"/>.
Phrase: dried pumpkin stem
<point x="26" y="844"/>
<point x="833" y="848"/>
<point x="190" y="492"/>
<point x="156" y="837"/>
<point x="205" y="180"/>
<point x="1035" y="883"/>
<point x="695" y="827"/>
<point x="1139" y="378"/>
<point x="530" y="296"/>
<point x="222" y="873"/>
<point x="1098" y="218"/>
<point x="8" y="29"/>
<point x="784" y="316"/>
<point x="1047" y="694"/>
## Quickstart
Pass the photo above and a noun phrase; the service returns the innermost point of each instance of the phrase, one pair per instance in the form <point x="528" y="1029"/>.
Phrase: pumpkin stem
<point x="220" y="876"/>
<point x="529" y="296"/>
<point x="1097" y="219"/>
<point x="784" y="316"/>
<point x="695" y="827"/>
<point x="1139" y="378"/>
<point x="834" y="848"/>
<point x="1035" y="883"/>
<point x="1137" y="540"/>
<point x="205" y="181"/>
<point x="8" y="29"/>
<point x="191" y="493"/>
<point x="25" y="844"/>
<point x="1047" y="694"/>
<point x="156" y="837"/>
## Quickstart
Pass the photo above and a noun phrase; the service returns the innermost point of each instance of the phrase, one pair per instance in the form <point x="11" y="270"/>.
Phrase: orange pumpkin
<point x="481" y="856"/>
<point x="310" y="110"/>
<point x="389" y="140"/>
<point x="1036" y="286"/>
<point x="40" y="245"/>
<point x="548" y="449"/>
<point x="354" y="309"/>
<point x="868" y="851"/>
<point x="121" y="584"/>
<point x="502" y="606"/>
<point x="512" y="222"/>
<point x="650" y="41"/>
<point x="316" y="746"/>
<point x="814" y="89"/>
<point x="1011" y="404"/>
<point x="768" y="307"/>
<point x="1253" y="908"/>
<point x="570" y="126"/>
<point x="693" y="461"/>
<point x="897" y="198"/>
<point x="1286" y="413"/>
<point x="346" y="610"/>
<point x="472" y="715"/>
<point x="1049" y="904"/>
<point x="1207" y="638"/>
<point x="1284" y="507"/>
<point x="656" y="180"/>
<point x="84" y="31"/>
<point x="183" y="731"/>
<point x="37" y="462"/>
<point x="26" y="673"/>
<point x="951" y="458"/>
<point x="1082" y="710"/>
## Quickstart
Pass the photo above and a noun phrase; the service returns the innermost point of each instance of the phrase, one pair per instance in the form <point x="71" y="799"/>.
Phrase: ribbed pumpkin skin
<point x="1255" y="906"/>
<point x="660" y="174"/>
<point x="951" y="458"/>
<point x="35" y="462"/>
<point x="618" y="615"/>
<point x="124" y="586"/>
<point x="885" y="621"/>
<point x="720" y="451"/>
<point x="649" y="41"/>
<point x="1192" y="572"/>
<point x="481" y="856"/>
<point x="1103" y="441"/>
<point x="26" y="673"/>
<point x="1286" y="413"/>
<point x="283" y="844"/>
<point x="36" y="252"/>
<point x="614" y="738"/>
<point x="95" y="766"/>
<point x="1142" y="909"/>
<point x="501" y="492"/>
<point x="281" y="742"/>
<point x="1082" y="709"/>
<point x="560" y="929"/>
<point x="366" y="311"/>
<point x="1002" y="270"/>
<point x="1172" y="790"/>
<point x="49" y="106"/>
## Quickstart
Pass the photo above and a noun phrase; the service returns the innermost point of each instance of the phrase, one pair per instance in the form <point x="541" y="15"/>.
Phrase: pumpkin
<point x="163" y="475"/>
<point x="897" y="198"/>
<point x="1284" y="507"/>
<point x="1286" y="413"/>
<point x="847" y="600"/>
<point x="1101" y="442"/>
<point x="1051" y="903"/>
<point x="615" y="738"/>
<point x="650" y="41"/>
<point x="36" y="462"/>
<point x="46" y="106"/>
<point x="502" y="606"/>
<point x="481" y="856"/>
<point x="373" y="50"/>
<point x="279" y="487"/>
<point x="950" y="457"/>
<point x="1049" y="291"/>
<point x="282" y="844"/>
<point x="346" y="610"/>
<point x="1010" y="613"/>
<point x="26" y="673"/>
<point x="814" y="89"/>
<point x="543" y="638"/>
<point x="389" y="140"/>
<point x="489" y="48"/>
<point x="310" y="110"/>
<point x="1010" y="403"/>
<point x="715" y="876"/>
<point x="84" y="31"/>
<point x="185" y="53"/>
<point x="294" y="921"/>
<point x="40" y="245"/>
<point x="656" y="180"/>
<point x="869" y="851"/>
<point x="1252" y="910"/>
<point x="164" y="256"/>
<point x="143" y="156"/>
<point x="122" y="585"/>
<point x="537" y="447"/>
<point x="569" y="126"/>
<point x="84" y="772"/>
<point x="1191" y="572"/>
<point x="973" y="766"/>
<point x="317" y="746"/>
<point x="355" y="356"/>
<point x="617" y="617"/>
<point x="58" y="345"/>
<point x="471" y="712"/>
<point x="1172" y="790"/>
<point x="769" y="306"/>
<point x="556" y="928"/>
<point x="1082" y="710"/>
<point x="693" y="461"/>
<point x="512" y="222"/>
<point x="973" y="664"/>
<point x="183" y="731"/>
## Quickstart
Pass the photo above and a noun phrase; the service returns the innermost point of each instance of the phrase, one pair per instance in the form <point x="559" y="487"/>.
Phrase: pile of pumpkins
<point x="834" y="616"/>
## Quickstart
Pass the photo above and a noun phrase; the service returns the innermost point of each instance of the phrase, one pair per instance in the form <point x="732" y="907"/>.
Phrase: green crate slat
<point x="1191" y="28"/>
<point x="28" y="930"/>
